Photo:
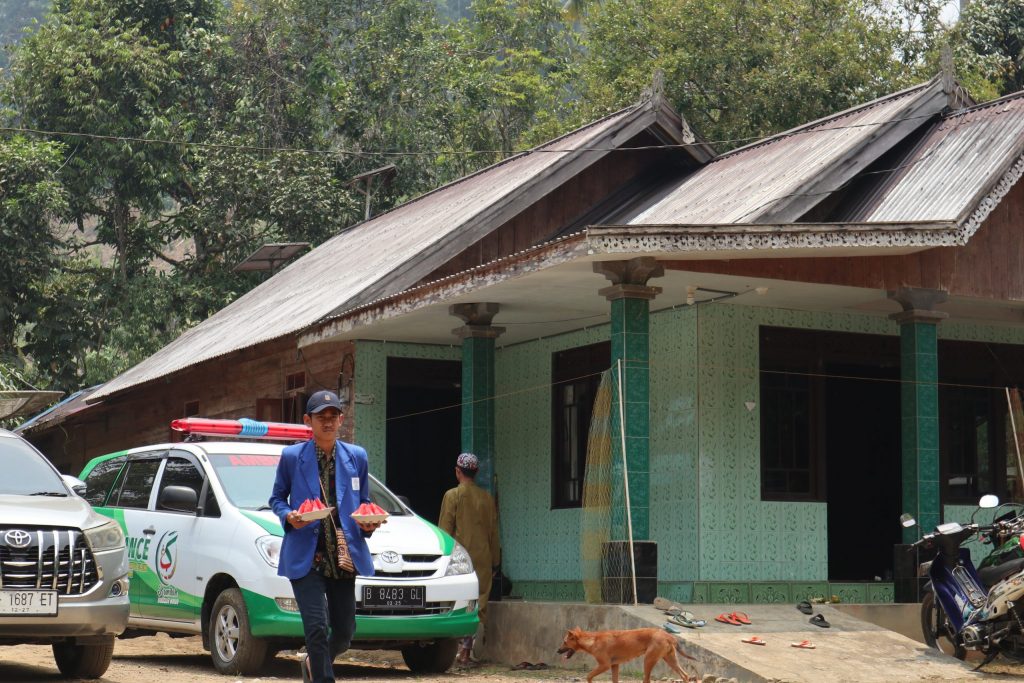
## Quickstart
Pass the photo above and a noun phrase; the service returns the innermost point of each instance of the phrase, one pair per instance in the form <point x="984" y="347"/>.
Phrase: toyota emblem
<point x="16" y="538"/>
<point x="390" y="557"/>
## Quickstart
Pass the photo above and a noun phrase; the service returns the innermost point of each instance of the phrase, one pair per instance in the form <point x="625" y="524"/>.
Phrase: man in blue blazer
<point x="336" y="473"/>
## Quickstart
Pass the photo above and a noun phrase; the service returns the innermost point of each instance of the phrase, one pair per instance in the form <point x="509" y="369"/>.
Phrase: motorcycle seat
<point x="990" y="576"/>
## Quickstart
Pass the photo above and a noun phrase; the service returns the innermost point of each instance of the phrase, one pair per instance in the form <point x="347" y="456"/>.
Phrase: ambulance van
<point x="203" y="549"/>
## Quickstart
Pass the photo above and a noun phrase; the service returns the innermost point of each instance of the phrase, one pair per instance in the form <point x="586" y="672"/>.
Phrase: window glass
<point x="179" y="471"/>
<point x="249" y="479"/>
<point x="137" y="483"/>
<point x="100" y="479"/>
<point x="970" y="452"/>
<point x="34" y="476"/>
<point x="576" y="376"/>
<point x="787" y="469"/>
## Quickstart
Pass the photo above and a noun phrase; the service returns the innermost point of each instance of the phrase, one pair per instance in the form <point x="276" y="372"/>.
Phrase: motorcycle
<point x="966" y="609"/>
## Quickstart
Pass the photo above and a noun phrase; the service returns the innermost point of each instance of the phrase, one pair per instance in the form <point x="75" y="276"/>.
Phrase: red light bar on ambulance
<point x="243" y="428"/>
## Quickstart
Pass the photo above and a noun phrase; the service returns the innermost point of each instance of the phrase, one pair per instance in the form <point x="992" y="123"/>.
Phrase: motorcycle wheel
<point x="938" y="632"/>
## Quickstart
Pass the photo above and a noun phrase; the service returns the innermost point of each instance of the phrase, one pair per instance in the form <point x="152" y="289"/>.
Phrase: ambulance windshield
<point x="249" y="479"/>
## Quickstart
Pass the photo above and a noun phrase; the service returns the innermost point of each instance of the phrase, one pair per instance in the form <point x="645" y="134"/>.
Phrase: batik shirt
<point x="327" y="545"/>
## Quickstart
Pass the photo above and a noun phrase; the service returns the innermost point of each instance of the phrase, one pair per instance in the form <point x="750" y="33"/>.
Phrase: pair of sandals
<point x="818" y="619"/>
<point x="684" y="618"/>
<point x="734" y="619"/>
<point x="802" y="645"/>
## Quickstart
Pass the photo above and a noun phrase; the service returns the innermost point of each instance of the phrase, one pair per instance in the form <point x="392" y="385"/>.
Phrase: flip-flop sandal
<point x="671" y="628"/>
<point x="803" y="645"/>
<point x="819" y="620"/>
<point x="740" y="617"/>
<point x="805" y="607"/>
<point x="688" y="620"/>
<point x="539" y="666"/>
<point x="674" y="611"/>
<point x="522" y="666"/>
<point x="754" y="640"/>
<point x="685" y="622"/>
<point x="727" y="619"/>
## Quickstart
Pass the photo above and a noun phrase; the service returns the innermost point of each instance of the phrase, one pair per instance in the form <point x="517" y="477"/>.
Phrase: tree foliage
<point x="989" y="44"/>
<point x="186" y="133"/>
<point x="31" y="201"/>
<point x="739" y="69"/>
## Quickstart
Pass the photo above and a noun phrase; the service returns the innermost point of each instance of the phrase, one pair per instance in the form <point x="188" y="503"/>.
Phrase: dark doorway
<point x="862" y="465"/>
<point x="830" y="432"/>
<point x="424" y="419"/>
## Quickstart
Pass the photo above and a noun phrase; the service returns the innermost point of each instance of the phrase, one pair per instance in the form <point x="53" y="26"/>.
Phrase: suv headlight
<point x="270" y="549"/>
<point x="460" y="562"/>
<point x="105" y="537"/>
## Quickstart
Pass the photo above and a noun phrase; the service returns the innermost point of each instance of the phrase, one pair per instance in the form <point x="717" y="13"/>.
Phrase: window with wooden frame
<point x="576" y="376"/>
<point x="789" y="462"/>
<point x="977" y="450"/>
<point x="295" y="381"/>
<point x="971" y="434"/>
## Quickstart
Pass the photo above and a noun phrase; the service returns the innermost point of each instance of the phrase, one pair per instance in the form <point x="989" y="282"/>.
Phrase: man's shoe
<point x="307" y="672"/>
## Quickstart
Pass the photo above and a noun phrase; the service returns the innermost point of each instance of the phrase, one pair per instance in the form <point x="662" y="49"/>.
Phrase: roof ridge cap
<point x="984" y="105"/>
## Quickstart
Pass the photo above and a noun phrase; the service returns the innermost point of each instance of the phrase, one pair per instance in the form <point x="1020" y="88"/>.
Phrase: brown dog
<point x="612" y="648"/>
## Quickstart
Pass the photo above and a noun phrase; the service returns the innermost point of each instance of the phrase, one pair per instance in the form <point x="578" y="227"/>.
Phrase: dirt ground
<point x="161" y="659"/>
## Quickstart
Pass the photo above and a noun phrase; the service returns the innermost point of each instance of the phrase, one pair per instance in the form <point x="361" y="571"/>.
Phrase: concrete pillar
<point x="919" y="400"/>
<point x="630" y="298"/>
<point x="478" y="337"/>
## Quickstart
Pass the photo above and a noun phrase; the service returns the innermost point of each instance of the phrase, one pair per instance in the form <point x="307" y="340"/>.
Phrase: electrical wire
<point x="407" y="153"/>
<point x="654" y="366"/>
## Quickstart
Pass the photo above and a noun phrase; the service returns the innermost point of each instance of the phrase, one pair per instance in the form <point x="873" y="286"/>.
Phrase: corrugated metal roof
<point x="953" y="167"/>
<point x="741" y="186"/>
<point x="56" y="413"/>
<point x="336" y="274"/>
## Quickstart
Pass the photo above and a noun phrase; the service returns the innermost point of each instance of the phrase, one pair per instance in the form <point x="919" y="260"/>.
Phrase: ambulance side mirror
<point x="178" y="499"/>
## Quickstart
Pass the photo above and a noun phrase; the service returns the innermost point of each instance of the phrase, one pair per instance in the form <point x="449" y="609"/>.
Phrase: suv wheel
<point x="233" y="647"/>
<point x="435" y="658"/>
<point x="83" y="661"/>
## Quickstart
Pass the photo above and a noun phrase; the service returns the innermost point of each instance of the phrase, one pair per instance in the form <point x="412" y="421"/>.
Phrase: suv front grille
<point x="413" y="567"/>
<point x="428" y="608"/>
<point x="53" y="559"/>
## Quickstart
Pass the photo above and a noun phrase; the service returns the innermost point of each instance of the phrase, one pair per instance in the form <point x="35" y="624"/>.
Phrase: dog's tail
<point x="679" y="650"/>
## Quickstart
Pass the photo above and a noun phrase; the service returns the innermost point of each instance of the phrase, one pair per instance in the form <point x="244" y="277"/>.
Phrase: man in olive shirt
<point x="468" y="513"/>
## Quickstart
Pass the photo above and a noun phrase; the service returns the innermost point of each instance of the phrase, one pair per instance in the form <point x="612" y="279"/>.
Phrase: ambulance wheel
<point x="235" y="651"/>
<point x="83" y="661"/>
<point x="435" y="658"/>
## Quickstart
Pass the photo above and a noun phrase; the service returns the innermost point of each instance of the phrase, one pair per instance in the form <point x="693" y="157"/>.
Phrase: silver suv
<point x="63" y="568"/>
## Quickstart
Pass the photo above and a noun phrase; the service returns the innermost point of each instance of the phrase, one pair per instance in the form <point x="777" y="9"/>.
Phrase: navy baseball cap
<point x="321" y="400"/>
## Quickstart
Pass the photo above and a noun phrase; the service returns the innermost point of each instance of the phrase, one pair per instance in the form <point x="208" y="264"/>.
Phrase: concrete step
<point x="851" y="650"/>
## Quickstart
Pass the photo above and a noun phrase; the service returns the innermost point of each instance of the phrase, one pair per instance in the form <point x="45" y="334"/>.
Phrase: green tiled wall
<point x="372" y="381"/>
<point x="962" y="514"/>
<point x="673" y="448"/>
<point x="538" y="543"/>
<point x="704" y="364"/>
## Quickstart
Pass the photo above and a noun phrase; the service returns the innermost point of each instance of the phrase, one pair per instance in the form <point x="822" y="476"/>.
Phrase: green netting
<point x="595" y="515"/>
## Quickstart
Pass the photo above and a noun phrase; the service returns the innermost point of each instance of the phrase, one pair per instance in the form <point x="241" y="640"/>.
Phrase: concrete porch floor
<point x="853" y="649"/>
